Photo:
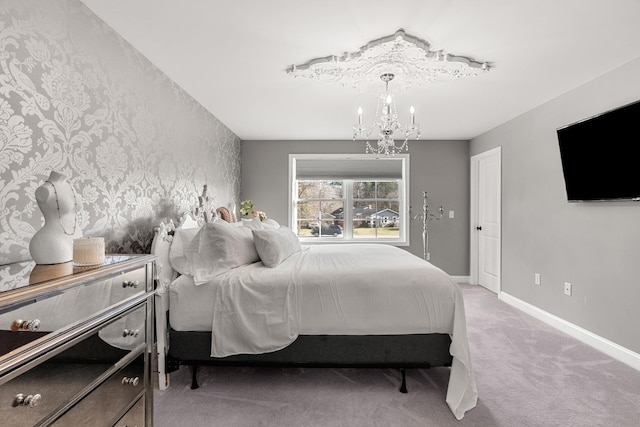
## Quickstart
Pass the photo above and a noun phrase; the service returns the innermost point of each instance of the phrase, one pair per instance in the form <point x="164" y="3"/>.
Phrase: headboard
<point x="165" y="274"/>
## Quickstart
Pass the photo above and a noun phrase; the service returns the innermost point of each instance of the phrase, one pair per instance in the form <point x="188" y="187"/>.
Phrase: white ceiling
<point x="231" y="56"/>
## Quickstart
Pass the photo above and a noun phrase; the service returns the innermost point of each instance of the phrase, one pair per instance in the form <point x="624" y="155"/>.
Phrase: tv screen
<point x="601" y="156"/>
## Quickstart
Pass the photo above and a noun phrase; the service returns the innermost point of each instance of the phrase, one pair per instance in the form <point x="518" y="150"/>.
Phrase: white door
<point x="485" y="219"/>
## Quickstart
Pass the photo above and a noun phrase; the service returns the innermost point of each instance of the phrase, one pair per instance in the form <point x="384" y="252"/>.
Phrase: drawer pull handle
<point x="134" y="381"/>
<point x="30" y="400"/>
<point x="130" y="333"/>
<point x="25" y="325"/>
<point x="130" y="284"/>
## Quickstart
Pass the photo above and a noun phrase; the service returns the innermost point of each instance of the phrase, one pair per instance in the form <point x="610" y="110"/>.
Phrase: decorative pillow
<point x="274" y="245"/>
<point x="253" y="224"/>
<point x="270" y="223"/>
<point x="226" y="214"/>
<point x="217" y="248"/>
<point x="177" y="258"/>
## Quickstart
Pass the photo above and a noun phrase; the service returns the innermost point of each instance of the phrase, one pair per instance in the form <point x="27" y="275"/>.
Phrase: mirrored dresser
<point x="76" y="343"/>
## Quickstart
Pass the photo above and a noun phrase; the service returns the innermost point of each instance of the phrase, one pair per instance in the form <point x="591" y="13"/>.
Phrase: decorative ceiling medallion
<point x="407" y="57"/>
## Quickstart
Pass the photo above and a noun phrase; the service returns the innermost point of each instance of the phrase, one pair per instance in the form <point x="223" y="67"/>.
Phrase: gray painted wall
<point x="595" y="246"/>
<point x="439" y="167"/>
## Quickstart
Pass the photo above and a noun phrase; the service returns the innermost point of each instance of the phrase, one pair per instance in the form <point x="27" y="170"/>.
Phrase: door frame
<point x="474" y="241"/>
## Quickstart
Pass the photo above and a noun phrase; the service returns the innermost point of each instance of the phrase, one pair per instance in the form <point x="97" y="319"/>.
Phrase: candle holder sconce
<point x="425" y="217"/>
<point x="204" y="212"/>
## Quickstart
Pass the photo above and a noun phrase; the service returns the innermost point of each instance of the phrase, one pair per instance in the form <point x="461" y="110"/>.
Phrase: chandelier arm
<point x="388" y="123"/>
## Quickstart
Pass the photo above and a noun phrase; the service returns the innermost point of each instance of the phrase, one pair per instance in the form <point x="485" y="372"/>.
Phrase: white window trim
<point x="405" y="225"/>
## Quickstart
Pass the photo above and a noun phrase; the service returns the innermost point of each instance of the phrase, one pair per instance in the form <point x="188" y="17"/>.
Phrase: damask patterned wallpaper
<point x="78" y="99"/>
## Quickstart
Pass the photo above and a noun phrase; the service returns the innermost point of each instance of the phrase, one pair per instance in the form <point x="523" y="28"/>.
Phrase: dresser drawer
<point x="110" y="400"/>
<point x="48" y="387"/>
<point x="134" y="417"/>
<point x="36" y="318"/>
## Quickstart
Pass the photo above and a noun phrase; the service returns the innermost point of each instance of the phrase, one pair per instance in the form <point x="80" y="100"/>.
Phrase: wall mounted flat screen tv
<point x="601" y="156"/>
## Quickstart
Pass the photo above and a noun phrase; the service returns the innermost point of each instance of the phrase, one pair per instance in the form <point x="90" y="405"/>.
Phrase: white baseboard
<point x="610" y="348"/>
<point x="461" y="279"/>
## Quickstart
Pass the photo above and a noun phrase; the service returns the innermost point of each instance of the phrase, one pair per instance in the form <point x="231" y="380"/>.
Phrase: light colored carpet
<point x="528" y="374"/>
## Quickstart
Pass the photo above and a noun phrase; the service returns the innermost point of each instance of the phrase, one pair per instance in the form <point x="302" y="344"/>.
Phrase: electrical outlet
<point x="536" y="279"/>
<point x="428" y="256"/>
<point x="567" y="288"/>
<point x="451" y="214"/>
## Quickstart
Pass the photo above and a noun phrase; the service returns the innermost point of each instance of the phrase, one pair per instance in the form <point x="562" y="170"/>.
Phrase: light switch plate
<point x="567" y="288"/>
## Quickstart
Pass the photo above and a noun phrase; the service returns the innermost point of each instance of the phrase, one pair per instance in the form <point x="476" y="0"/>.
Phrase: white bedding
<point x="254" y="309"/>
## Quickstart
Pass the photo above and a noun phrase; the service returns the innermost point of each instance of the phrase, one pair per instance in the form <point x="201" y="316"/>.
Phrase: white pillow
<point x="217" y="248"/>
<point x="177" y="257"/>
<point x="270" y="223"/>
<point x="274" y="245"/>
<point x="253" y="224"/>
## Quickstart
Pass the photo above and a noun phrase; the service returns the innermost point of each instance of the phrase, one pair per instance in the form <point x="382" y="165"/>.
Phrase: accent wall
<point x="78" y="99"/>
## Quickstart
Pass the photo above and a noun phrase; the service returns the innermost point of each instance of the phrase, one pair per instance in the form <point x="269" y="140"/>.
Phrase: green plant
<point x="247" y="207"/>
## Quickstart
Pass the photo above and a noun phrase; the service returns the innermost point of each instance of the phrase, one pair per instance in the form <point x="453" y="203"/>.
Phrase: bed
<point x="338" y="305"/>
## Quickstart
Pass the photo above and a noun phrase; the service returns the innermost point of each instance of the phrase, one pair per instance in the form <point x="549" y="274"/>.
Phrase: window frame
<point x="347" y="236"/>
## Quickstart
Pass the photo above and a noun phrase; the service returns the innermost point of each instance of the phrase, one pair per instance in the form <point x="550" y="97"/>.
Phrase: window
<point x="349" y="198"/>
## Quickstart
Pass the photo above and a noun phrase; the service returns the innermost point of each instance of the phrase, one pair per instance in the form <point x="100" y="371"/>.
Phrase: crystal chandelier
<point x="387" y="124"/>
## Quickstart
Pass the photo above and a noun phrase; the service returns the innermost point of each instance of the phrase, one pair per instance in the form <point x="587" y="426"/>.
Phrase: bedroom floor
<point x="527" y="373"/>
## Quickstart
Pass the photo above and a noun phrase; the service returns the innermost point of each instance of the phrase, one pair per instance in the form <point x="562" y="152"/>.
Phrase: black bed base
<point x="345" y="351"/>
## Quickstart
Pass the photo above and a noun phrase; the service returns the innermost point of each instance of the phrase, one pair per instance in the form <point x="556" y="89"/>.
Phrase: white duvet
<point x="363" y="289"/>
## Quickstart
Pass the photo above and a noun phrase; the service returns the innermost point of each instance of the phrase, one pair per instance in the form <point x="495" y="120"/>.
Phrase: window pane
<point x="319" y="189"/>
<point x="331" y="209"/>
<point x="363" y="220"/>
<point x="376" y="220"/>
<point x="390" y="209"/>
<point x="304" y="228"/>
<point x="308" y="210"/>
<point x="387" y="220"/>
<point x="331" y="219"/>
<point x="388" y="190"/>
<point x="364" y="189"/>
